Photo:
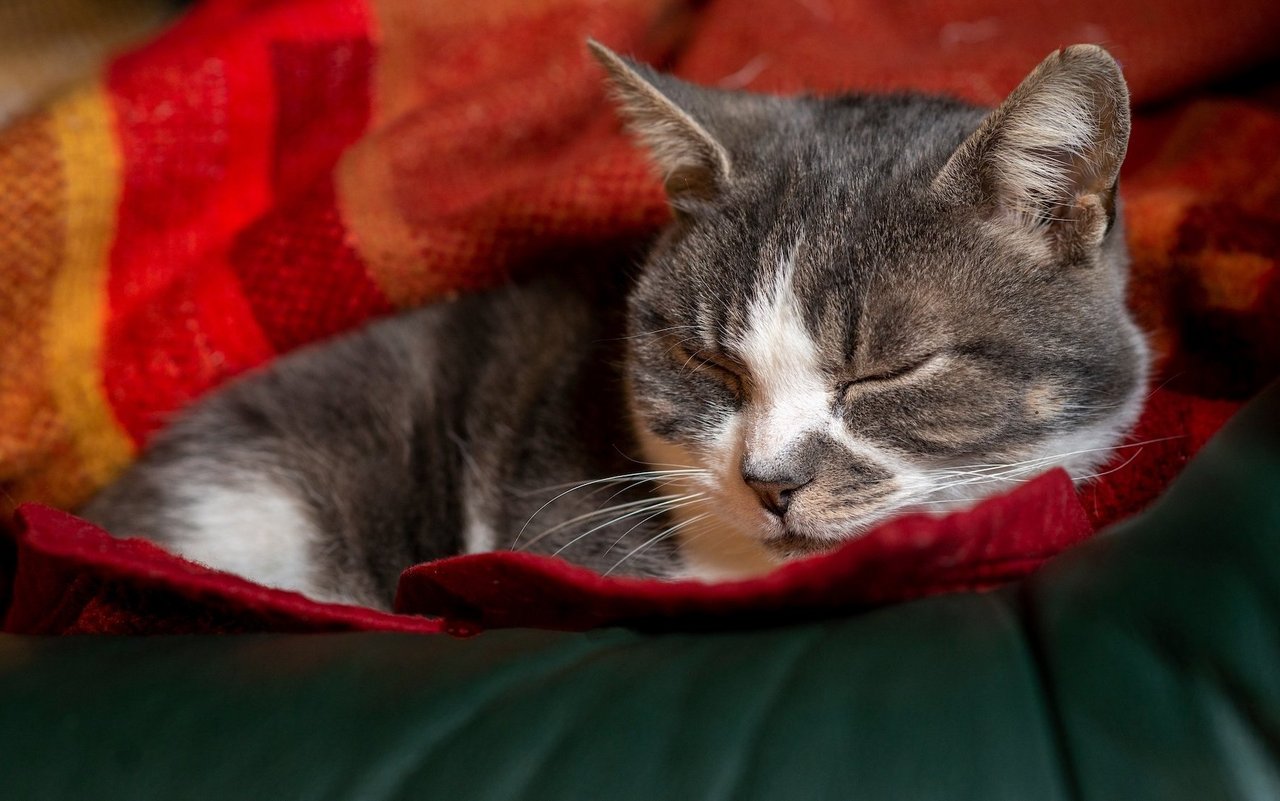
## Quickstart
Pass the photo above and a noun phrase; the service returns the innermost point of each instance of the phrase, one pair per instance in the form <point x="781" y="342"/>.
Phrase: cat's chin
<point x="790" y="545"/>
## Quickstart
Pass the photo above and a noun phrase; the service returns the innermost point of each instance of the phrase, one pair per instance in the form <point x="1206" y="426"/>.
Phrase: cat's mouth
<point x="791" y="545"/>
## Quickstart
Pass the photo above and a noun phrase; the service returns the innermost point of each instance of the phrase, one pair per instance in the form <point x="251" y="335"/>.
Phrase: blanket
<point x="267" y="173"/>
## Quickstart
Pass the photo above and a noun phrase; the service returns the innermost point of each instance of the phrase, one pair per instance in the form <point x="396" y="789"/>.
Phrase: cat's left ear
<point x="695" y="165"/>
<point x="1047" y="160"/>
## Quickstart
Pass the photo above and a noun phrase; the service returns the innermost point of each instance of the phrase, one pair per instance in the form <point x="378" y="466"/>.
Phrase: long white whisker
<point x="681" y="344"/>
<point x="648" y="503"/>
<point x="656" y="489"/>
<point x="1123" y="464"/>
<point x="659" y="464"/>
<point x="635" y="478"/>
<point x="655" y="332"/>
<point x="668" y="532"/>
<point x="661" y="508"/>
<point x="637" y="525"/>
<point x="979" y="468"/>
<point x="680" y="468"/>
<point x="1015" y="471"/>
<point x="598" y="512"/>
<point x="645" y="475"/>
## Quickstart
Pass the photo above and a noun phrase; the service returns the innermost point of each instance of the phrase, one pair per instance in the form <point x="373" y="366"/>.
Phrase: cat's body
<point x="865" y="305"/>
<point x="438" y="432"/>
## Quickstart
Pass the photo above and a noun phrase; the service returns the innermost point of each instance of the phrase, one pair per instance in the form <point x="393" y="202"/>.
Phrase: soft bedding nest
<point x="269" y="173"/>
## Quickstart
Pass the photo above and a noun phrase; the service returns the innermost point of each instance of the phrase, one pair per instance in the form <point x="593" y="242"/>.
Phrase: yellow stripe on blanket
<point x="83" y="124"/>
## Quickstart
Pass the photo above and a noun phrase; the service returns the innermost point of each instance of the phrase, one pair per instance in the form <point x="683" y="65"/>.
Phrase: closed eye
<point x="885" y="376"/>
<point x="723" y="369"/>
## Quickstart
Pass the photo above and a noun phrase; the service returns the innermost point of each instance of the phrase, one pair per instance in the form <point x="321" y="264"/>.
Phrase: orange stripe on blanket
<point x="84" y="128"/>
<point x="31" y="224"/>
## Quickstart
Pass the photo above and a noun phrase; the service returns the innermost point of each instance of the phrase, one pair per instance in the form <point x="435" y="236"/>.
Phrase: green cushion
<point x="1143" y="665"/>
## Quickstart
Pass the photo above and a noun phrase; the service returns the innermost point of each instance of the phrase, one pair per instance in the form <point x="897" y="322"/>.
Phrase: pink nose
<point x="775" y="495"/>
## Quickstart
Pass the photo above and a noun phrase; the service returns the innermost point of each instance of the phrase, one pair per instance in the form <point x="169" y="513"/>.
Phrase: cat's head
<point x="871" y="304"/>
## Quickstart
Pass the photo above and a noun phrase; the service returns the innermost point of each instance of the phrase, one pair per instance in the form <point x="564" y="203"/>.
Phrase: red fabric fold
<point x="1003" y="538"/>
<point x="74" y="578"/>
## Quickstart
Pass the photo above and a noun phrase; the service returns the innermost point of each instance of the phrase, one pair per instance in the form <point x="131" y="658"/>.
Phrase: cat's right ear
<point x="695" y="166"/>
<point x="1048" y="159"/>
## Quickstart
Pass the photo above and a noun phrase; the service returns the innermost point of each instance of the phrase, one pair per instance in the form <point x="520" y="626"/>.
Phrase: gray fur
<point x="960" y="317"/>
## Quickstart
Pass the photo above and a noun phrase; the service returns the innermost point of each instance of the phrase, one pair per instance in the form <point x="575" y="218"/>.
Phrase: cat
<point x="863" y="305"/>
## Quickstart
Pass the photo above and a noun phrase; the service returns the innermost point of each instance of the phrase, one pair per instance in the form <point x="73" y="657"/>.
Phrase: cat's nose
<point x="774" y="492"/>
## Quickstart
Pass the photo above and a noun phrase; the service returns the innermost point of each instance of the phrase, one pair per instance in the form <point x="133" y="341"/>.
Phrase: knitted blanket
<point x="270" y="172"/>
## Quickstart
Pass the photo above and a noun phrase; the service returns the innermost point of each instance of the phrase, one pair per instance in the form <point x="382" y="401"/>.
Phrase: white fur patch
<point x="794" y="396"/>
<point x="258" y="532"/>
<point x="790" y="398"/>
<point x="479" y="536"/>
<point x="790" y="392"/>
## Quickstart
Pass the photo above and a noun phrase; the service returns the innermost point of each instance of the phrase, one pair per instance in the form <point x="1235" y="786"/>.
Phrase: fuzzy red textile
<point x="79" y="579"/>
<point x="270" y="172"/>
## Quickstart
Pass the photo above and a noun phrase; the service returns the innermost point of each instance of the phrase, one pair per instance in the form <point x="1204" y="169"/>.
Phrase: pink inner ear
<point x="1050" y="155"/>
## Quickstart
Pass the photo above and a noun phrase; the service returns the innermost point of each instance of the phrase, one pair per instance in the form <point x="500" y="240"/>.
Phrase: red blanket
<point x="269" y="172"/>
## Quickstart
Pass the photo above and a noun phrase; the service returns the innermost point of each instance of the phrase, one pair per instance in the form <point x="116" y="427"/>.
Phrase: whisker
<point x="1015" y="471"/>
<point x="598" y="512"/>
<point x="659" y="464"/>
<point x="668" y="532"/>
<point x="624" y="534"/>
<point x="1013" y="474"/>
<point x="654" y="333"/>
<point x="978" y="468"/>
<point x="647" y="503"/>
<point x="680" y="344"/>
<point x="645" y="475"/>
<point x="619" y="540"/>
<point x="659" y="484"/>
<point x="656" y="490"/>
<point x="1120" y="466"/>
<point x="661" y="508"/>
<point x="634" y="478"/>
<point x="1089" y="406"/>
<point x="1164" y="384"/>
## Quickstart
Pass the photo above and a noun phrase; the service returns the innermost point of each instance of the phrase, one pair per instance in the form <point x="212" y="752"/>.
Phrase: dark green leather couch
<point x="1143" y="665"/>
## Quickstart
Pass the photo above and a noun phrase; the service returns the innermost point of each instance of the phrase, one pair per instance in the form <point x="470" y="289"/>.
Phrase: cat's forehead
<point x="841" y="272"/>
<point x="853" y="300"/>
<point x="872" y="258"/>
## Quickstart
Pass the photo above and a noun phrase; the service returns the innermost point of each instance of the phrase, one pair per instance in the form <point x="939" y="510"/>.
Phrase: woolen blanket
<point x="271" y="172"/>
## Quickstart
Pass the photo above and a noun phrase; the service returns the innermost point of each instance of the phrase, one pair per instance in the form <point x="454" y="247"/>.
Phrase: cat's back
<point x="335" y="466"/>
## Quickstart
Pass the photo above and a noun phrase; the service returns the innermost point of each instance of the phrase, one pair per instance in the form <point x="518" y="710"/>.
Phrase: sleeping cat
<point x="863" y="306"/>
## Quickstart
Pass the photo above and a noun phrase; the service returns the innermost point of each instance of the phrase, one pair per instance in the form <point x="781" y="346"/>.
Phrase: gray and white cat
<point x="864" y="305"/>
